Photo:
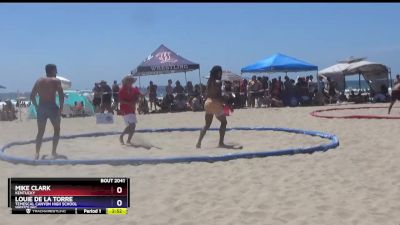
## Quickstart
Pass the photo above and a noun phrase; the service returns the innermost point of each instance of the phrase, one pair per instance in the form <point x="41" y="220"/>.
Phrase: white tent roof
<point x="65" y="83"/>
<point x="353" y="68"/>
<point x="365" y="66"/>
<point x="229" y="76"/>
<point x="375" y="72"/>
<point x="335" y="69"/>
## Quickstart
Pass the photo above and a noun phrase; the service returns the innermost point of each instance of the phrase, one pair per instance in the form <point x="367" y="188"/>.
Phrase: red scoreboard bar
<point x="69" y="195"/>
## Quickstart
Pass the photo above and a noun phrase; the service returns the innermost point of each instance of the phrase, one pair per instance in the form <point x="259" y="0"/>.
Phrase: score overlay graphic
<point x="68" y="195"/>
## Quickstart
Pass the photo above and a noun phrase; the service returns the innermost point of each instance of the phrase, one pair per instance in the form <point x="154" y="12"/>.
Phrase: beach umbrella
<point x="2" y="87"/>
<point x="65" y="83"/>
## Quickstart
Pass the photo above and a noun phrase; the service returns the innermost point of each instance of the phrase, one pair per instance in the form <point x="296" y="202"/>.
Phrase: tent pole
<point x="359" y="81"/>
<point x="390" y="77"/>
<point x="199" y="77"/>
<point x="185" y="77"/>
<point x="318" y="84"/>
<point x="19" y="107"/>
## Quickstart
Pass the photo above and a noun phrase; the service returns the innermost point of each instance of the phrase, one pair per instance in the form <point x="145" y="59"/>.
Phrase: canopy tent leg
<point x="19" y="106"/>
<point x="318" y="84"/>
<point x="359" y="81"/>
<point x="319" y="96"/>
<point x="185" y="78"/>
<point x="199" y="76"/>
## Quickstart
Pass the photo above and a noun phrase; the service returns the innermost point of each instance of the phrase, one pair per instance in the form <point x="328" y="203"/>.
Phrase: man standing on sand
<point x="46" y="88"/>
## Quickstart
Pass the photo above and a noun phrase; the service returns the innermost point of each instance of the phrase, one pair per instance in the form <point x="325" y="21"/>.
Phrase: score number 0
<point x="119" y="191"/>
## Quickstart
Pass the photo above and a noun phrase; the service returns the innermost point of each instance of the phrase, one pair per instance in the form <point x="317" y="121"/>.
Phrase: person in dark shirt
<point x="152" y="89"/>
<point x="115" y="90"/>
<point x="179" y="90"/>
<point x="106" y="97"/>
<point x="96" y="97"/>
<point x="196" y="101"/>
<point x="189" y="89"/>
<point x="169" y="96"/>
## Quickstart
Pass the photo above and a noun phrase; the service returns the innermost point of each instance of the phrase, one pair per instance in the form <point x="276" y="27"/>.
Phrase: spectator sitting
<point x="275" y="102"/>
<point x="385" y="92"/>
<point x="179" y="91"/>
<point x="10" y="112"/>
<point x="78" y="108"/>
<point x="302" y="92"/>
<point x="196" y="101"/>
<point x="342" y="97"/>
<point x="189" y="89"/>
<point x="180" y="99"/>
<point x="197" y="91"/>
<point x="352" y="97"/>
<point x="380" y="96"/>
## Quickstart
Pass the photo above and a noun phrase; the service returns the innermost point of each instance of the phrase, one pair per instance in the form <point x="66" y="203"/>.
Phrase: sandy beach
<point x="357" y="183"/>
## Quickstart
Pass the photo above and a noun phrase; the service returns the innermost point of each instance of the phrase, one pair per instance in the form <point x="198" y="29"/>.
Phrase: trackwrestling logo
<point x="165" y="57"/>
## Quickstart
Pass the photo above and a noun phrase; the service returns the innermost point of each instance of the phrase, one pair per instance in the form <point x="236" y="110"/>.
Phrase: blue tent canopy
<point x="279" y="63"/>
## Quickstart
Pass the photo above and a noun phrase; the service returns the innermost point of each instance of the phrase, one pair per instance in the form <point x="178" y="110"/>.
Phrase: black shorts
<point x="116" y="98"/>
<point x="152" y="97"/>
<point x="48" y="111"/>
<point x="96" y="101"/>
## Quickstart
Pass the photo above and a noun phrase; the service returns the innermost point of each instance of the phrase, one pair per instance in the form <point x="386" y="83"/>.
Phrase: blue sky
<point x="89" y="42"/>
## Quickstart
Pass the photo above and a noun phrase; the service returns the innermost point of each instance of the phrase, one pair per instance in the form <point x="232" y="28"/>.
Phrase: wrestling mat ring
<point x="316" y="113"/>
<point x="334" y="142"/>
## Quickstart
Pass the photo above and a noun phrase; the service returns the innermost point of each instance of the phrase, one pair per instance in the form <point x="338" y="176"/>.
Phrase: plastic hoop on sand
<point x="334" y="142"/>
<point x="316" y="113"/>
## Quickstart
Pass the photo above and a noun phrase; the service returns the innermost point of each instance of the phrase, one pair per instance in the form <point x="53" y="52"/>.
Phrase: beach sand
<point x="356" y="183"/>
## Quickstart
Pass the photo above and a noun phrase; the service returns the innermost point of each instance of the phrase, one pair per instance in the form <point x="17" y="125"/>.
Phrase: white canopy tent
<point x="65" y="83"/>
<point x="375" y="73"/>
<point x="229" y="76"/>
